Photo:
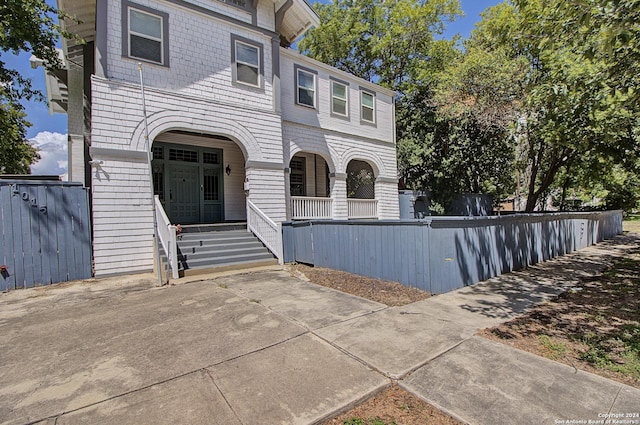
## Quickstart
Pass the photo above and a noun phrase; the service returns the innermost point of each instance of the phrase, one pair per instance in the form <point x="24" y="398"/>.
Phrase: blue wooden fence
<point x="441" y="254"/>
<point x="45" y="233"/>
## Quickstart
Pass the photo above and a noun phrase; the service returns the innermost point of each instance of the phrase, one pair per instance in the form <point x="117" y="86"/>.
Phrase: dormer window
<point x="247" y="63"/>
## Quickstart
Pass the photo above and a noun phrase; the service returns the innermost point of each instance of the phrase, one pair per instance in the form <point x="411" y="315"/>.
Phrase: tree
<point x="577" y="109"/>
<point x="29" y="26"/>
<point x="391" y="43"/>
<point x="458" y="138"/>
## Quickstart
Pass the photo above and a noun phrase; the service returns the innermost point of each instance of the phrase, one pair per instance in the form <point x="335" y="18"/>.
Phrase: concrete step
<point x="200" y="245"/>
<point x="225" y="260"/>
<point x="222" y="246"/>
<point x="240" y="265"/>
<point x="204" y="254"/>
<point x="216" y="227"/>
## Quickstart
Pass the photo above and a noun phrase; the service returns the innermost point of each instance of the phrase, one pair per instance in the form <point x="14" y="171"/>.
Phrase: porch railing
<point x="268" y="231"/>
<point x="306" y="208"/>
<point x="362" y="208"/>
<point x="167" y="236"/>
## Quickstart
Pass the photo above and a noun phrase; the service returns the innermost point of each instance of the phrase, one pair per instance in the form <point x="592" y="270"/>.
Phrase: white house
<point x="240" y="127"/>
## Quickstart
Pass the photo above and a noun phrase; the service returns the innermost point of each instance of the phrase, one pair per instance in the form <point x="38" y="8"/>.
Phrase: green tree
<point x="27" y="26"/>
<point x="576" y="112"/>
<point x="389" y="42"/>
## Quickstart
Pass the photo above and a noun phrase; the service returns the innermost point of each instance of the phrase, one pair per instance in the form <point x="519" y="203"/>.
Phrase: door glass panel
<point x="210" y="158"/>
<point x="183" y="155"/>
<point x="211" y="185"/>
<point x="158" y="181"/>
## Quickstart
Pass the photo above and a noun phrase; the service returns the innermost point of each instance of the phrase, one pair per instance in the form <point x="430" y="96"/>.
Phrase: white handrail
<point x="268" y="231"/>
<point x="308" y="207"/>
<point x="167" y="236"/>
<point x="362" y="208"/>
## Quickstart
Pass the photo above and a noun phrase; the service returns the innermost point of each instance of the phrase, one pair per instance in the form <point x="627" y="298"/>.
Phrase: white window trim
<point x="346" y="98"/>
<point x="315" y="88"/>
<point x="237" y="61"/>
<point x="362" y="105"/>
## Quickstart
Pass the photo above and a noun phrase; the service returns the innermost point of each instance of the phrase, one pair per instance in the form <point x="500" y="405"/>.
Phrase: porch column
<point x="75" y="112"/>
<point x="387" y="196"/>
<point x="339" y="195"/>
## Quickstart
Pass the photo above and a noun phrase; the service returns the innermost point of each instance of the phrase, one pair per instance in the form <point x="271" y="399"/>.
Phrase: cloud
<point x="53" y="153"/>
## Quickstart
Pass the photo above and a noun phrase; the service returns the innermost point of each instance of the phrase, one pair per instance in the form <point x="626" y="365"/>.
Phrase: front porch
<point x="317" y="193"/>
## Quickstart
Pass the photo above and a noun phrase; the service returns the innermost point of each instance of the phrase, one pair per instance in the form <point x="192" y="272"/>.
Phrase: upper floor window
<point x="305" y="87"/>
<point x="247" y="61"/>
<point x="146" y="34"/>
<point x="339" y="99"/>
<point x="367" y="107"/>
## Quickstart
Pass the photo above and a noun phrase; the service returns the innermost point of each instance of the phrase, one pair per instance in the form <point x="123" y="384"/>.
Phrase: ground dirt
<point x="394" y="406"/>
<point x="594" y="327"/>
<point x="382" y="291"/>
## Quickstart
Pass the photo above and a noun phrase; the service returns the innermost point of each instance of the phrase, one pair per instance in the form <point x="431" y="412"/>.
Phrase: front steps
<point x="219" y="247"/>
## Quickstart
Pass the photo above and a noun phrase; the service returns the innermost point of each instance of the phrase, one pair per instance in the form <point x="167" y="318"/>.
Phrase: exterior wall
<point x="123" y="232"/>
<point x="199" y="54"/>
<point x="315" y="182"/>
<point x="321" y="116"/>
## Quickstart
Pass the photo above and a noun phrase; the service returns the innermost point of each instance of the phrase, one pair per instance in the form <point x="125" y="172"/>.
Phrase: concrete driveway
<point x="266" y="348"/>
<point x="203" y="352"/>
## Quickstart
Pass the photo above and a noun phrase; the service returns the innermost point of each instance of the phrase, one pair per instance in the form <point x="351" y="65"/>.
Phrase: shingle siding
<point x="195" y="94"/>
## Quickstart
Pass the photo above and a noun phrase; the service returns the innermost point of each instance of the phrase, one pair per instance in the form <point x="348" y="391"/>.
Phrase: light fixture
<point x="228" y="169"/>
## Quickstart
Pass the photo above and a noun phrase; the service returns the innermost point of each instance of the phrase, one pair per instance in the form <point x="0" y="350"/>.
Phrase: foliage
<point x="30" y="26"/>
<point x="390" y="43"/>
<point x="16" y="155"/>
<point x="577" y="112"/>
<point x="456" y="138"/>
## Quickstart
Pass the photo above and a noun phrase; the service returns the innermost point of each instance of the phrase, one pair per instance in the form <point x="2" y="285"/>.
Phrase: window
<point x="305" y="87"/>
<point x="339" y="99"/>
<point x="248" y="68"/>
<point x="247" y="64"/>
<point x="297" y="179"/>
<point x="367" y="107"/>
<point x="145" y="34"/>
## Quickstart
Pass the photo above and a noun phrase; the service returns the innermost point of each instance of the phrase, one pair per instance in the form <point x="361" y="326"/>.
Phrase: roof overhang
<point x="55" y="81"/>
<point x="81" y="22"/>
<point x="294" y="18"/>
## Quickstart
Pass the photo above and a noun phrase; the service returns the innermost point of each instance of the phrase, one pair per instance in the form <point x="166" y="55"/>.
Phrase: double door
<point x="189" y="181"/>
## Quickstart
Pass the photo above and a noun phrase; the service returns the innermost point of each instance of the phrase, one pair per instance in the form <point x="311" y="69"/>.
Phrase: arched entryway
<point x="361" y="190"/>
<point x="198" y="177"/>
<point x="309" y="187"/>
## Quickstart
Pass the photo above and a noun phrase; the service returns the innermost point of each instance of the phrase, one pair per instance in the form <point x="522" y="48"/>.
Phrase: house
<point x="240" y="126"/>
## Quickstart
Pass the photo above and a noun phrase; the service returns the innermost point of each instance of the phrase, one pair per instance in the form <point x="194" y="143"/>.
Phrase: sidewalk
<point x="267" y="348"/>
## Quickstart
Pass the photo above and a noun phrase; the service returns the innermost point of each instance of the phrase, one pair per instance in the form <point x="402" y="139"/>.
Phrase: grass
<point x="596" y="328"/>
<point x="618" y="353"/>
<point x="556" y="348"/>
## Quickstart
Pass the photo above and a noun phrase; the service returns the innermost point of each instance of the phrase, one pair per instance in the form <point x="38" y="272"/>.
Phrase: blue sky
<point x="48" y="130"/>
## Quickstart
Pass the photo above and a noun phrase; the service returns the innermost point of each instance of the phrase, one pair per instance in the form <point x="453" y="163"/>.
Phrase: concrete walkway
<point x="268" y="348"/>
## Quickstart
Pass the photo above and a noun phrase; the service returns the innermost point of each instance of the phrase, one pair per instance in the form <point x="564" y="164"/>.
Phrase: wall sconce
<point x="228" y="169"/>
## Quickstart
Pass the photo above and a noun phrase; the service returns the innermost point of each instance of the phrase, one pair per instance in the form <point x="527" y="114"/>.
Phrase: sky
<point x="49" y="132"/>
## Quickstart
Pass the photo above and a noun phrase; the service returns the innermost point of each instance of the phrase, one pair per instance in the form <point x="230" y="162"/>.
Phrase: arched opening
<point x="360" y="180"/>
<point x="309" y="187"/>
<point x="361" y="191"/>
<point x="199" y="178"/>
